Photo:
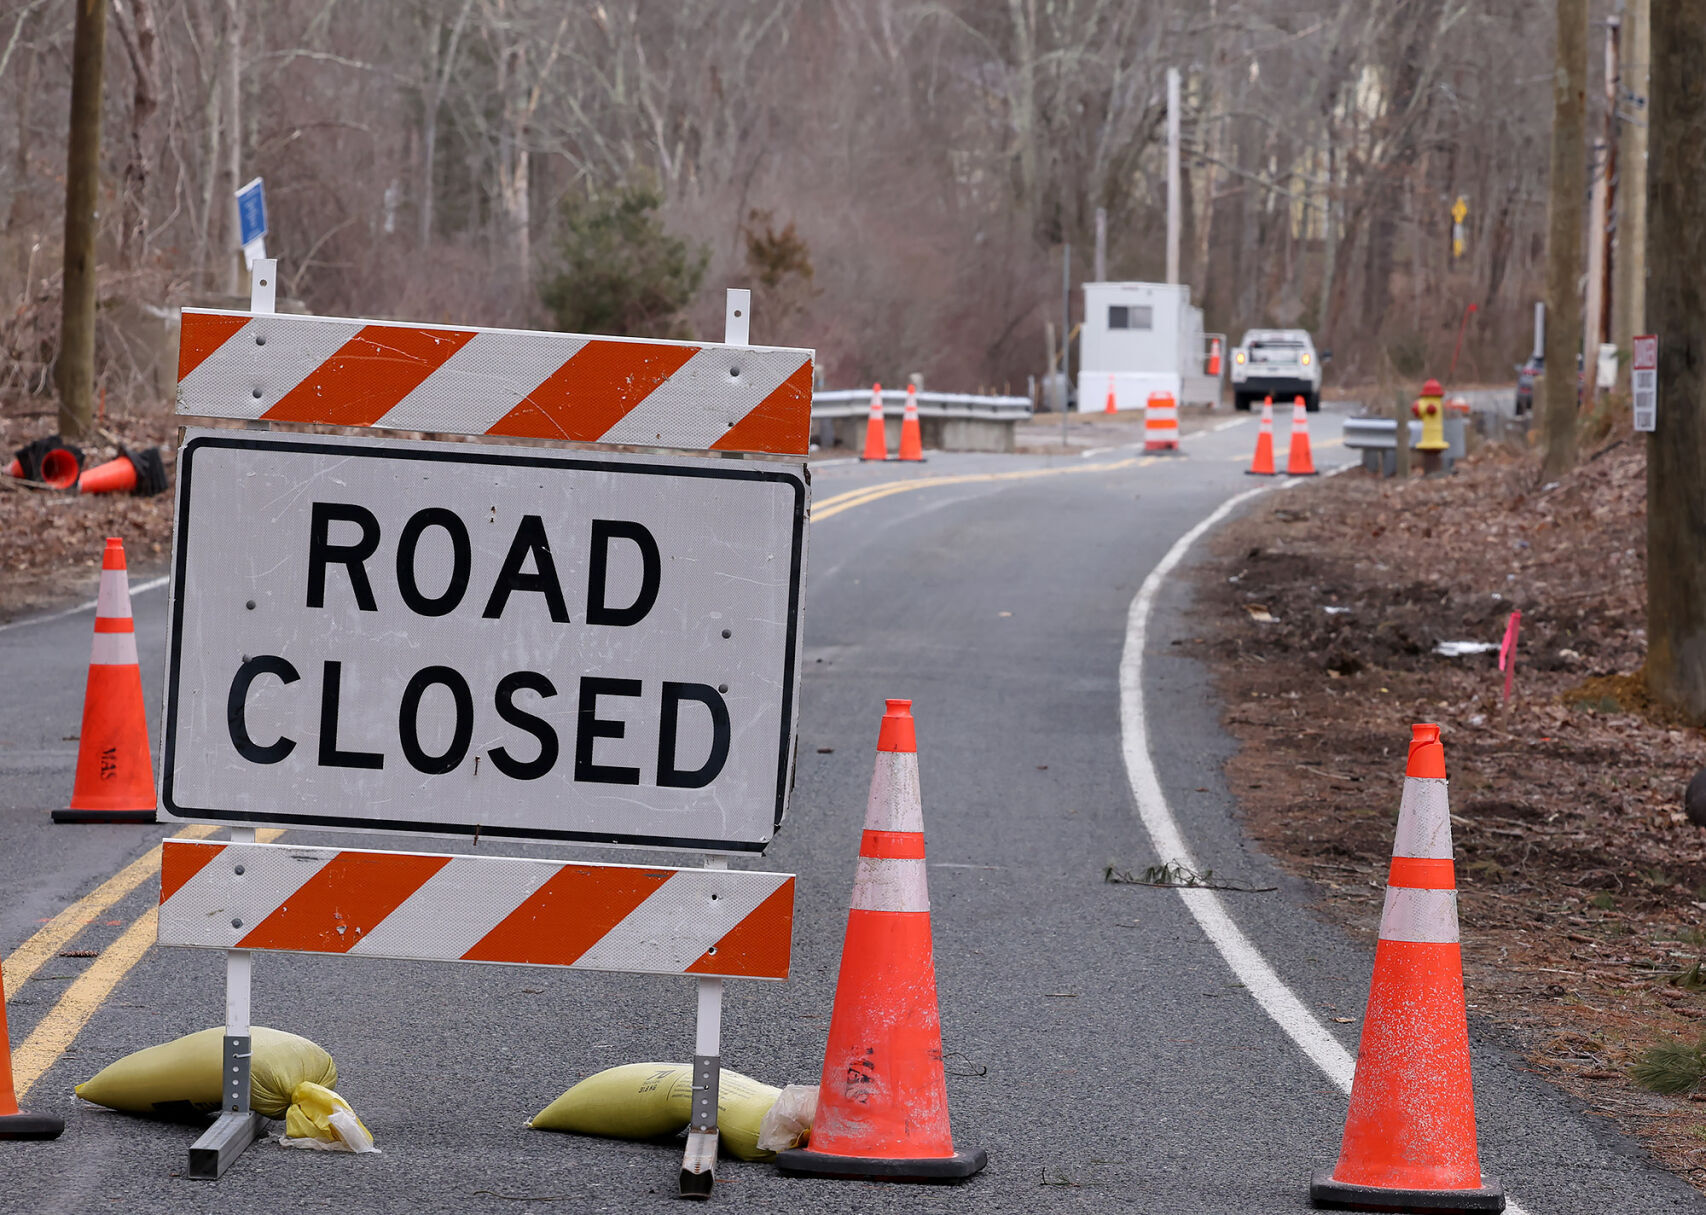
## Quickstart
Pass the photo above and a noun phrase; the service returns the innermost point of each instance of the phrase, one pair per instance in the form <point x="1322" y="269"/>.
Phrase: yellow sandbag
<point x="319" y="1118"/>
<point x="646" y="1100"/>
<point x="184" y="1075"/>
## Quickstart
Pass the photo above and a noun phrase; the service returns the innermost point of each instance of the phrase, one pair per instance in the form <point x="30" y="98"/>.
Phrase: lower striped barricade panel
<point x="634" y="919"/>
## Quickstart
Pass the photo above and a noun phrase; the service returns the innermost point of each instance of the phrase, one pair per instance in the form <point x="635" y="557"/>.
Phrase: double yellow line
<point x="829" y="507"/>
<point x="65" y="1020"/>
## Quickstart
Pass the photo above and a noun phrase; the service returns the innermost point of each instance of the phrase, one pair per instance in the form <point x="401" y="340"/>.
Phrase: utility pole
<point x="1602" y="207"/>
<point x="1564" y="239"/>
<point x="1101" y="244"/>
<point x="1628" y="299"/>
<point x="1065" y="336"/>
<point x="76" y="369"/>
<point x="1173" y="216"/>
<point x="1676" y="310"/>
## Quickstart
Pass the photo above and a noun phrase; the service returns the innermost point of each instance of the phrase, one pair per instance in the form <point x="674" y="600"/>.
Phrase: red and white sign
<point x="1644" y="382"/>
<point x="629" y="918"/>
<point x="505" y="382"/>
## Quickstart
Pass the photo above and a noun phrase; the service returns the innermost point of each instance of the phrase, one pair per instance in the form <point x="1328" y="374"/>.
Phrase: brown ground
<point x="51" y="541"/>
<point x="1582" y="880"/>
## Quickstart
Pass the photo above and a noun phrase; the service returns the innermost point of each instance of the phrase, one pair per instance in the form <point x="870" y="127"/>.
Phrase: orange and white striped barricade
<point x="1161" y="422"/>
<point x="492" y="642"/>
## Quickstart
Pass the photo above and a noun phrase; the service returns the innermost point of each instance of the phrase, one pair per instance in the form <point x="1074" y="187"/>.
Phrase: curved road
<point x="1099" y="1045"/>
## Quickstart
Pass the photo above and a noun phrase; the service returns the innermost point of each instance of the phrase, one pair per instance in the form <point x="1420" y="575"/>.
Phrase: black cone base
<point x="30" y="1126"/>
<point x="103" y="816"/>
<point x="803" y="1162"/>
<point x="1325" y="1192"/>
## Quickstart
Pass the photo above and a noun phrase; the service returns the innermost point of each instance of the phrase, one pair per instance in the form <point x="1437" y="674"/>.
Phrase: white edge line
<point x="1247" y="963"/>
<point x="139" y="588"/>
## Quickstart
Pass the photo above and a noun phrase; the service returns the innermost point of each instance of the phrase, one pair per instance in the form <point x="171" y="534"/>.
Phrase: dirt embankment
<point x="1582" y="881"/>
<point x="51" y="541"/>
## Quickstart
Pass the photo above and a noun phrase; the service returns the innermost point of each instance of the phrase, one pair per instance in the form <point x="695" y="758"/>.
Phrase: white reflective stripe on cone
<point x="895" y="803"/>
<point x="1424" y="819"/>
<point x="1422" y="916"/>
<point x="886" y="884"/>
<point x="113" y="650"/>
<point x="113" y="599"/>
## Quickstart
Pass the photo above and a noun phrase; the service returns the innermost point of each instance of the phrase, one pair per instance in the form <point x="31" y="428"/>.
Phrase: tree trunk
<point x="226" y="254"/>
<point x="1628" y="317"/>
<point x="1564" y="238"/>
<point x="1676" y="309"/>
<point x="82" y="184"/>
<point x="139" y="43"/>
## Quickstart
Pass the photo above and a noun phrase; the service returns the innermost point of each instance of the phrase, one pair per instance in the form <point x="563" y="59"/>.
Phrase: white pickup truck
<point x="1281" y="363"/>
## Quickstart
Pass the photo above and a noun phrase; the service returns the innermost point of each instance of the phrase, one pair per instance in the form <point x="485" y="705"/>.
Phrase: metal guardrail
<point x="856" y="402"/>
<point x="1378" y="433"/>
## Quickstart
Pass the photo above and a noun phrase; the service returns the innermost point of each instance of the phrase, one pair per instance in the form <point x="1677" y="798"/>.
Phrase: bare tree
<point x="135" y="22"/>
<point x="1676" y="307"/>
<point x="82" y="183"/>
<point x="1564" y="237"/>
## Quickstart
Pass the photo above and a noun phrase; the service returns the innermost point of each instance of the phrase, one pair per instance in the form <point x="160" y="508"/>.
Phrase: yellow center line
<point x="56" y="1031"/>
<point x="60" y="1026"/>
<point x="830" y="507"/>
<point x="53" y="936"/>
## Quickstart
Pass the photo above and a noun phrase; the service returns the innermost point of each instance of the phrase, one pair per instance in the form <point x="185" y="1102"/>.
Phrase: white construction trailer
<point x="1140" y="338"/>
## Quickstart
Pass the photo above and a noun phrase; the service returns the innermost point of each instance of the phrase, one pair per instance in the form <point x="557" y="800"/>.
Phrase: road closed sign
<point x="456" y="639"/>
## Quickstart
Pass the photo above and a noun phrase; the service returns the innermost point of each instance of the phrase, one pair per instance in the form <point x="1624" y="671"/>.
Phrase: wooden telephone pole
<point x="1564" y="239"/>
<point x="75" y="370"/>
<point x="1676" y="310"/>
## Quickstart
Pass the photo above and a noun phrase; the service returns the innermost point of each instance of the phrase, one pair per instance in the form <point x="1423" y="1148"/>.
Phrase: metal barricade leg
<point x="237" y="1126"/>
<point x="699" y="1163"/>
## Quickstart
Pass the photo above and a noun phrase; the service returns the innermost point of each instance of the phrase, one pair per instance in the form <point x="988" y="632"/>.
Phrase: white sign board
<point x="462" y="639"/>
<point x="1644" y="380"/>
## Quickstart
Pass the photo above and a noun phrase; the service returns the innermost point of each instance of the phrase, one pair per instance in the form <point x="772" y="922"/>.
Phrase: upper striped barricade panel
<point x="629" y="918"/>
<point x="504" y="382"/>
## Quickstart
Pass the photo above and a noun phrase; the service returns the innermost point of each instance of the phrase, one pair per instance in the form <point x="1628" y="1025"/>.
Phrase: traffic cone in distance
<point x="1160" y="423"/>
<point x="115" y="777"/>
<point x="14" y="1124"/>
<point x="911" y="432"/>
<point x="1409" y="1140"/>
<point x="51" y="460"/>
<point x="1297" y="459"/>
<point x="1110" y="407"/>
<point x="142" y="473"/>
<point x="882" y="1109"/>
<point x="876" y="439"/>
<point x="1262" y="463"/>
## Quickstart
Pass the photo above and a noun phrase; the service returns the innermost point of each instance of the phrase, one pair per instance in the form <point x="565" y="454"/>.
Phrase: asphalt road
<point x="1098" y="1046"/>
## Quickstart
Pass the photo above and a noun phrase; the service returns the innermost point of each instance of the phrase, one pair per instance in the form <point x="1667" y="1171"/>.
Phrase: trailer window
<point x="1131" y="316"/>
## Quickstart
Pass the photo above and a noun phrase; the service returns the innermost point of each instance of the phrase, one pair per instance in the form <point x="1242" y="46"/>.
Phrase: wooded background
<point x="896" y="178"/>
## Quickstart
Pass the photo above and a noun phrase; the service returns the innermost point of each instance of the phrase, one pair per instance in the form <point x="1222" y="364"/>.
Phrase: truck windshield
<point x="1275" y="352"/>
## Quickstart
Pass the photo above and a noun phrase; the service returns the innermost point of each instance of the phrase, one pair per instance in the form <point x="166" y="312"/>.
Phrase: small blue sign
<point x="252" y="211"/>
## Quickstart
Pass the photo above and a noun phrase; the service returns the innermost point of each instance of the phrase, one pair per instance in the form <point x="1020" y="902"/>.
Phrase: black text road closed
<point x="449" y="638"/>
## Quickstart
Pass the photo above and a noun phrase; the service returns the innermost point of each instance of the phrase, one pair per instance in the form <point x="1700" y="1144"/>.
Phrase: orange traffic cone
<point x="1262" y="463"/>
<point x="51" y="461"/>
<point x="882" y="1109"/>
<point x="1297" y="460"/>
<point x="1110" y="407"/>
<point x="14" y="1124"/>
<point x="911" y="433"/>
<point x="1160" y="423"/>
<point x="876" y="439"/>
<point x="142" y="473"/>
<point x="1410" y="1135"/>
<point x="115" y="778"/>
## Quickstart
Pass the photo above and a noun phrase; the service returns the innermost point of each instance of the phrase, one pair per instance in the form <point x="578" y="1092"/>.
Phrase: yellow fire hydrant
<point x="1430" y="408"/>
